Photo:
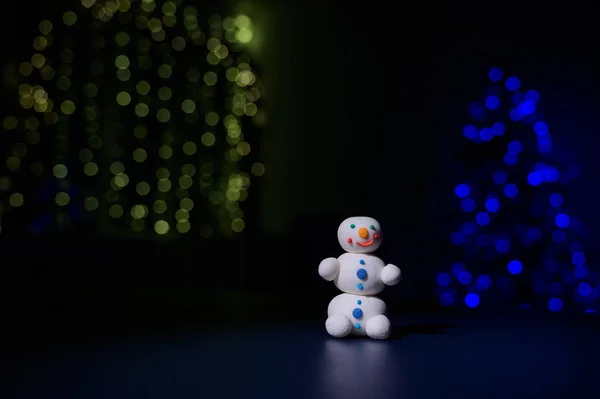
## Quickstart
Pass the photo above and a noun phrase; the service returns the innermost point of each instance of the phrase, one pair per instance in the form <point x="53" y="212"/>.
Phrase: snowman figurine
<point x="360" y="275"/>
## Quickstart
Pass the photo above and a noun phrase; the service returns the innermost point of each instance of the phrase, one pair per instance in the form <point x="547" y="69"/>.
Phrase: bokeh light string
<point x="175" y="107"/>
<point x="519" y="242"/>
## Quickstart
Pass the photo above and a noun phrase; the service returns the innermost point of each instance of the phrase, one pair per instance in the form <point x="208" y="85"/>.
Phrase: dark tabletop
<point x="433" y="357"/>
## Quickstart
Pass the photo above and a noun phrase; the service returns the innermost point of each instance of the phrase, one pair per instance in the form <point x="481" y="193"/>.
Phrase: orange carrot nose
<point x="363" y="233"/>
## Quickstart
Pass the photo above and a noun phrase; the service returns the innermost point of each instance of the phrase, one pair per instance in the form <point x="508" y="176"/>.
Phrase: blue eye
<point x="352" y="226"/>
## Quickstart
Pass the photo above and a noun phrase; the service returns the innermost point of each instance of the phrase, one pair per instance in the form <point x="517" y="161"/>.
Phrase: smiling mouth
<point x="366" y="244"/>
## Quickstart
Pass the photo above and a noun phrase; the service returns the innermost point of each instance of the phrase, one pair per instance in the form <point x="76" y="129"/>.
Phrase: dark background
<point x="366" y="102"/>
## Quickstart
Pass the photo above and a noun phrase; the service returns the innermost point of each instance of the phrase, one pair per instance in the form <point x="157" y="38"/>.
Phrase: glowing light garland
<point x="124" y="82"/>
<point x="518" y="230"/>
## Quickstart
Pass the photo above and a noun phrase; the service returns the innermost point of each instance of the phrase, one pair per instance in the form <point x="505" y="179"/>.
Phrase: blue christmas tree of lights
<point x="517" y="239"/>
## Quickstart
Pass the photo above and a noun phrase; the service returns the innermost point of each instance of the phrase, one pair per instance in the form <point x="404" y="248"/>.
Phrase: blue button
<point x="357" y="313"/>
<point x="360" y="287"/>
<point x="362" y="262"/>
<point x="359" y="302"/>
<point x="361" y="274"/>
<point x="357" y="326"/>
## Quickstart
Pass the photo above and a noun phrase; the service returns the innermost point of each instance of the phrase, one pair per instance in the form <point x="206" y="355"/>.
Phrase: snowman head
<point x="360" y="234"/>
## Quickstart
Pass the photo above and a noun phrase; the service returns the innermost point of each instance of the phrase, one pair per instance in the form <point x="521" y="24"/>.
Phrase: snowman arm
<point x="391" y="275"/>
<point x="329" y="268"/>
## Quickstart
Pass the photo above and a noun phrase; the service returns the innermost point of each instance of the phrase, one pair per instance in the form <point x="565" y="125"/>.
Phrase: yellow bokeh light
<point x="212" y="118"/>
<point x="258" y="169"/>
<point x="90" y="169"/>
<point x="142" y="110"/>
<point x="187" y="204"/>
<point x="122" y="61"/>
<point x="62" y="199"/>
<point x="163" y="115"/>
<point x="165" y="152"/>
<point x="208" y="139"/>
<point x="16" y="200"/>
<point x="165" y="93"/>
<point x="142" y="188"/>
<point x="188" y="106"/>
<point x="88" y="3"/>
<point x="60" y="171"/>
<point x="45" y="27"/>
<point x="161" y="227"/>
<point x="138" y="212"/>
<point x="91" y="203"/>
<point x="123" y="98"/>
<point x="244" y="35"/>
<point x="238" y="225"/>
<point x="115" y="211"/>
<point x="67" y="107"/>
<point x="189" y="148"/>
<point x="69" y="18"/>
<point x="139" y="155"/>
<point x="142" y="87"/>
<point x="183" y="226"/>
<point x="223" y="93"/>
<point x="165" y="71"/>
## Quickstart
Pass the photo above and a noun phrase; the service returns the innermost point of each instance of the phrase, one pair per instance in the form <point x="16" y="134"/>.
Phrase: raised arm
<point x="391" y="275"/>
<point x="329" y="268"/>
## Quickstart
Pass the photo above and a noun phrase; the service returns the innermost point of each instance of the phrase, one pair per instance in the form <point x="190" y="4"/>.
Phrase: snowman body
<point x="360" y="275"/>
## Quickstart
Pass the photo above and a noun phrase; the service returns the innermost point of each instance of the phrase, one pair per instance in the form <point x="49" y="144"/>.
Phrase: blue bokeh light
<point x="457" y="268"/>
<point x="531" y="224"/>
<point x="482" y="218"/>
<point x="457" y="239"/>
<point x="492" y="102"/>
<point x="443" y="279"/>
<point x="484" y="281"/>
<point x="486" y="134"/>
<point x="581" y="272"/>
<point x="472" y="300"/>
<point x="518" y="97"/>
<point x="515" y="115"/>
<point x="515" y="267"/>
<point x="534" y="234"/>
<point x="500" y="177"/>
<point x="502" y="246"/>
<point x="562" y="220"/>
<point x="511" y="190"/>
<point x="555" y="304"/>
<point x="540" y="128"/>
<point x="575" y="247"/>
<point x="464" y="277"/>
<point x="468" y="205"/>
<point x="470" y="132"/>
<point x="498" y="128"/>
<point x="584" y="289"/>
<point x="533" y="95"/>
<point x="578" y="258"/>
<point x="534" y="178"/>
<point x="477" y="111"/>
<point x="556" y="200"/>
<point x="515" y="147"/>
<point x="468" y="228"/>
<point x="511" y="159"/>
<point x="462" y="191"/>
<point x="495" y="74"/>
<point x="492" y="205"/>
<point x="513" y="83"/>
<point x="526" y="108"/>
<point x="447" y="299"/>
